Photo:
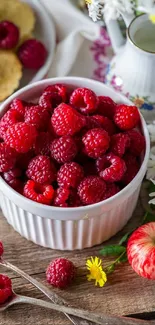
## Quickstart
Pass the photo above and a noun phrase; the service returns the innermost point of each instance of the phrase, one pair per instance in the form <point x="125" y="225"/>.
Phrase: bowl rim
<point x="132" y="184"/>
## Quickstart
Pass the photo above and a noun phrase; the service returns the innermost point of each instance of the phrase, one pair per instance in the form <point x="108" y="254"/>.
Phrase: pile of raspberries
<point x="72" y="148"/>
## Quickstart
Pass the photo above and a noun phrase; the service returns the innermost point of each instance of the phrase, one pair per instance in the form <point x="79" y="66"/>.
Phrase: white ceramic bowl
<point x="45" y="32"/>
<point x="71" y="228"/>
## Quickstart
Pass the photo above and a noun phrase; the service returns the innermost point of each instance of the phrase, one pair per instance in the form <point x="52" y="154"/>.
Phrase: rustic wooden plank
<point x="125" y="292"/>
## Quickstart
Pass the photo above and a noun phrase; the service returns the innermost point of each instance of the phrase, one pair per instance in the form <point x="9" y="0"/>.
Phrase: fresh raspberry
<point x="1" y="249"/>
<point x="91" y="190"/>
<point x="41" y="170"/>
<point x="137" y="142"/>
<point x="9" y="35"/>
<point x="38" y="117"/>
<point x="8" y="157"/>
<point x="70" y="175"/>
<point x="52" y="96"/>
<point x="60" y="273"/>
<point x="39" y="193"/>
<point x="12" y="177"/>
<point x="84" y="99"/>
<point x="10" y="118"/>
<point x="96" y="142"/>
<point x="74" y="200"/>
<point x="106" y="106"/>
<point x="24" y="159"/>
<point x="21" y="137"/>
<point x="42" y="144"/>
<point x="132" y="168"/>
<point x="64" y="149"/>
<point x="119" y="143"/>
<point x="116" y="169"/>
<point x="111" y="190"/>
<point x="18" y="105"/>
<point x="5" y="288"/>
<point x="105" y="123"/>
<point x="101" y="163"/>
<point x="32" y="54"/>
<point x="126" y="117"/>
<point x="61" y="197"/>
<point x="66" y="120"/>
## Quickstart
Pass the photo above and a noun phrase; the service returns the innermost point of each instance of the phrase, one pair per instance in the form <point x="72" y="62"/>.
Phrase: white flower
<point x="152" y="194"/>
<point x="94" y="8"/>
<point x="113" y="8"/>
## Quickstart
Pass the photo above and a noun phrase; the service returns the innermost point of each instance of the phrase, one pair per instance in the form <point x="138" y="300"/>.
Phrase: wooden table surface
<point x="125" y="292"/>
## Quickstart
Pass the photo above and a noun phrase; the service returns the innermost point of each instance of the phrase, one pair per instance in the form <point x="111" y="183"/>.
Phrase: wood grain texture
<point x="125" y="292"/>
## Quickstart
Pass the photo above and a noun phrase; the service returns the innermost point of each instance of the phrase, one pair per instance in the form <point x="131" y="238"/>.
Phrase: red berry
<point x="42" y="144"/>
<point x="111" y="190"/>
<point x="12" y="177"/>
<point x="105" y="123"/>
<point x="137" y="142"/>
<point x="96" y="142"/>
<point x="10" y="118"/>
<point x="84" y="99"/>
<point x="74" y="200"/>
<point x="53" y="96"/>
<point x="70" y="175"/>
<point x="1" y="249"/>
<point x="126" y="117"/>
<point x="5" y="288"/>
<point x="21" y="137"/>
<point x="106" y="106"/>
<point x="9" y="35"/>
<point x="18" y="105"/>
<point x="66" y="120"/>
<point x="41" y="170"/>
<point x="38" y="117"/>
<point x="7" y="157"/>
<point x="116" y="169"/>
<point x="39" y="193"/>
<point x="61" y="197"/>
<point x="91" y="190"/>
<point x="120" y="142"/>
<point x="132" y="168"/>
<point x="64" y="149"/>
<point x="32" y="54"/>
<point x="101" y="163"/>
<point x="60" y="273"/>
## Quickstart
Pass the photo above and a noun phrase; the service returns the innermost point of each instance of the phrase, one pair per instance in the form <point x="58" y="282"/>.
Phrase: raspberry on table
<point x="1" y="249"/>
<point x="111" y="190"/>
<point x="84" y="100"/>
<point x="9" y="35"/>
<point x="106" y="106"/>
<point x="8" y="157"/>
<point x="66" y="120"/>
<point x="41" y="170"/>
<point x="21" y="137"/>
<point x="61" y="197"/>
<point x="60" y="273"/>
<point x="96" y="142"/>
<point x="70" y="175"/>
<point x="137" y="140"/>
<point x="38" y="192"/>
<point x="10" y="118"/>
<point x="13" y="178"/>
<point x="32" y="54"/>
<point x="126" y="117"/>
<point x="42" y="144"/>
<point x="105" y="123"/>
<point x="116" y="169"/>
<point x="132" y="166"/>
<point x="38" y="117"/>
<point x="119" y="143"/>
<point x="18" y="105"/>
<point x="52" y="96"/>
<point x="91" y="190"/>
<point x="64" y="149"/>
<point x="5" y="288"/>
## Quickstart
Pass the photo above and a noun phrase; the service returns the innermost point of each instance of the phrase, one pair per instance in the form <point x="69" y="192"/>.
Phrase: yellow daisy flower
<point x="96" y="271"/>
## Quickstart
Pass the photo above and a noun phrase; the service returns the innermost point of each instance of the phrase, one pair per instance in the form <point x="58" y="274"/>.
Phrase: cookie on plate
<point x="10" y="73"/>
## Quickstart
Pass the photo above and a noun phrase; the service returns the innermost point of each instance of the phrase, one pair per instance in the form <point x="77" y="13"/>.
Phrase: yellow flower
<point x="88" y="2"/>
<point x="152" y="18"/>
<point x="96" y="271"/>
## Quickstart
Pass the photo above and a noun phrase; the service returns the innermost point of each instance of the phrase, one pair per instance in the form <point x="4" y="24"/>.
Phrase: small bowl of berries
<point x="73" y="154"/>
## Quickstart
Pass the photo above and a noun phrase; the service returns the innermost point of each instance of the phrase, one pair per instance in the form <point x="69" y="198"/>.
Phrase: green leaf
<point x="112" y="250"/>
<point x="110" y="268"/>
<point x="124" y="238"/>
<point x="123" y="259"/>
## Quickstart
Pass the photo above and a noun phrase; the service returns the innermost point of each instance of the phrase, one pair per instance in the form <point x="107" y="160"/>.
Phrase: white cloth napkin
<point x="75" y="31"/>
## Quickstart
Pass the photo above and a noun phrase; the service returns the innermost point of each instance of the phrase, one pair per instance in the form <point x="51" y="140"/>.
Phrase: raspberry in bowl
<point x="73" y="181"/>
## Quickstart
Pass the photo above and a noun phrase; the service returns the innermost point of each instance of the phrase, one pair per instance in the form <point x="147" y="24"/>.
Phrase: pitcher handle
<point x="115" y="32"/>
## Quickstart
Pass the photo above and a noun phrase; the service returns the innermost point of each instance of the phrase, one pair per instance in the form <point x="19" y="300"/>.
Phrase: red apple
<point x="141" y="250"/>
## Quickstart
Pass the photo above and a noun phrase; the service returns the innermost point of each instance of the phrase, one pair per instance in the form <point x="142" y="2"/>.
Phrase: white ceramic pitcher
<point x="132" y="69"/>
